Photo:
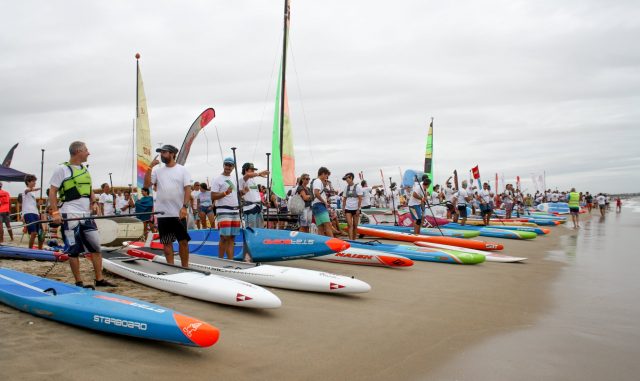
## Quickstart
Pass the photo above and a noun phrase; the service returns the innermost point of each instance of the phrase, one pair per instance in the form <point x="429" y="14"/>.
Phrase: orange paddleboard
<point x="461" y="242"/>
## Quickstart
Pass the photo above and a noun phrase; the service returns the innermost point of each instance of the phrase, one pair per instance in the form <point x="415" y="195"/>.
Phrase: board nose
<point x="337" y="245"/>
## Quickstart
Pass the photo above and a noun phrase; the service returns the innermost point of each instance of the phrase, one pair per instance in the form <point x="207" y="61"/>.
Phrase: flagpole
<point x="41" y="173"/>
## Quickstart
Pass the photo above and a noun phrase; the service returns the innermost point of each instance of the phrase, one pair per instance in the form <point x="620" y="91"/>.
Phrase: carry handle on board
<point x="143" y="254"/>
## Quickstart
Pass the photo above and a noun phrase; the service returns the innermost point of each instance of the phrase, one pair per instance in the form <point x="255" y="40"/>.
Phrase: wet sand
<point x="412" y="324"/>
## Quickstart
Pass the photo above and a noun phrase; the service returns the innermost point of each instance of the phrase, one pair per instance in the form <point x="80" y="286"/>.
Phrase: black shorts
<point x="354" y="212"/>
<point x="574" y="210"/>
<point x="5" y="218"/>
<point x="172" y="229"/>
<point x="462" y="211"/>
<point x="450" y="207"/>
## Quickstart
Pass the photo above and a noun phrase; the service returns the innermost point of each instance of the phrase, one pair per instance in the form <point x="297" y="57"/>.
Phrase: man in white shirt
<point x="252" y="203"/>
<point x="462" y="198"/>
<point x="449" y="199"/>
<point x="173" y="197"/>
<point x="417" y="200"/>
<point x="106" y="201"/>
<point x="227" y="209"/>
<point x="485" y="197"/>
<point x="602" y="203"/>
<point x="72" y="182"/>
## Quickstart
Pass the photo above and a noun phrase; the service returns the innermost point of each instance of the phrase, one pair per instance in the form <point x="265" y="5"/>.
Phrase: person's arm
<point x="218" y="195"/>
<point x="53" y="204"/>
<point x="186" y="201"/>
<point x="147" y="174"/>
<point x="317" y="193"/>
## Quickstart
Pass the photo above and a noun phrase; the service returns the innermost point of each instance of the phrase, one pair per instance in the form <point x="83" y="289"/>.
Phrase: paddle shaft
<point x="88" y="218"/>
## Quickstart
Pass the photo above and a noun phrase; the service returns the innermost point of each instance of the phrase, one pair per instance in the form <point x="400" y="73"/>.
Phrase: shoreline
<point x="412" y="322"/>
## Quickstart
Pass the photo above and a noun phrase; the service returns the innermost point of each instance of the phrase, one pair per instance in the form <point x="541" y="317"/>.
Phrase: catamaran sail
<point x="282" y="157"/>
<point x="143" y="134"/>
<point x="428" y="156"/>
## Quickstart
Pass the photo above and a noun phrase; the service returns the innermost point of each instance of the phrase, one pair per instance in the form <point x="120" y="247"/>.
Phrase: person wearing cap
<point x="71" y="185"/>
<point x="320" y="204"/>
<point x="5" y="207"/>
<point x="418" y="198"/>
<point x="172" y="184"/>
<point x="351" y="204"/>
<point x="228" y="211"/>
<point x="251" y="201"/>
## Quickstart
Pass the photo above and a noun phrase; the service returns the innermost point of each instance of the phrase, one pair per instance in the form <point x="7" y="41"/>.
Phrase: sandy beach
<point x="412" y="324"/>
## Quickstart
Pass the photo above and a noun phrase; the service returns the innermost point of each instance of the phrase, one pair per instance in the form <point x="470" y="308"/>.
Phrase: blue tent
<point x="10" y="174"/>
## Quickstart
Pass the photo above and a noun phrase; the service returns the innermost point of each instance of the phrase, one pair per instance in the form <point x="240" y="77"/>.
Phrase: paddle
<point x="133" y="253"/>
<point x="87" y="218"/>
<point x="242" y="226"/>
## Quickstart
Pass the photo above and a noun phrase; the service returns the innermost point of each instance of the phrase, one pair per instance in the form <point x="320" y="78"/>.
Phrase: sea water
<point x="593" y="330"/>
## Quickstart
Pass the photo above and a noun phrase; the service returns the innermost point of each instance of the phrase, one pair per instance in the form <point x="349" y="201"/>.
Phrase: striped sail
<point x="143" y="134"/>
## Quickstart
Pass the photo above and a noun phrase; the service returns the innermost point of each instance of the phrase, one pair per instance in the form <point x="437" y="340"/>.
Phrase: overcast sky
<point x="515" y="87"/>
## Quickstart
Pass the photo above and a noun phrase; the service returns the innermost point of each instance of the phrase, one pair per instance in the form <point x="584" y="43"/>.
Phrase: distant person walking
<point x="574" y="207"/>
<point x="5" y="210"/>
<point x="71" y="185"/>
<point x="602" y="203"/>
<point x="618" y="205"/>
<point x="173" y="197"/>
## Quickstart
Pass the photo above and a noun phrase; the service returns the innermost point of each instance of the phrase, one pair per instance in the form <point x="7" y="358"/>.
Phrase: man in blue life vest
<point x="71" y="186"/>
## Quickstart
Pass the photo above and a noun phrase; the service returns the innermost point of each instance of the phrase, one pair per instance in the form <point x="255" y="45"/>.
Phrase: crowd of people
<point x="169" y="200"/>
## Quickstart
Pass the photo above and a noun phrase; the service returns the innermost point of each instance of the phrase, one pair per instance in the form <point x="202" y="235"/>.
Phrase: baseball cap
<point x="247" y="166"/>
<point x="168" y="148"/>
<point x="348" y="174"/>
<point x="229" y="160"/>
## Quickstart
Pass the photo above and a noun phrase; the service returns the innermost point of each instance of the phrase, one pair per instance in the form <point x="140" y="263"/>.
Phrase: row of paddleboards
<point x="237" y="283"/>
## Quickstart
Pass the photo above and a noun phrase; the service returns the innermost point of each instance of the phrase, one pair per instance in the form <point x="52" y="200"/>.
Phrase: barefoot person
<point x="574" y="207"/>
<point x="227" y="208"/>
<point x="173" y="197"/>
<point x="30" y="213"/>
<point x="71" y="185"/>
